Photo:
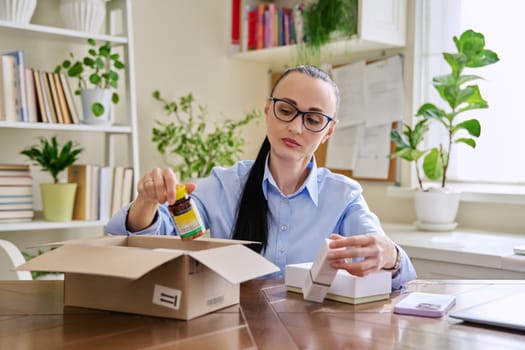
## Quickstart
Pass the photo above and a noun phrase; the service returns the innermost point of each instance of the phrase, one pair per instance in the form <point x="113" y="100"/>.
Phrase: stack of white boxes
<point x="319" y="280"/>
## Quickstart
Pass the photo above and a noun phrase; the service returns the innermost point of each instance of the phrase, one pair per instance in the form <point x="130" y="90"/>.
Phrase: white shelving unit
<point x="45" y="43"/>
<point x="381" y="27"/>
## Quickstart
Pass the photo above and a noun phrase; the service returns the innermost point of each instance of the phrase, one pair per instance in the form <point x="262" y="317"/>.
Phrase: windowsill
<point x="461" y="246"/>
<point x="507" y="194"/>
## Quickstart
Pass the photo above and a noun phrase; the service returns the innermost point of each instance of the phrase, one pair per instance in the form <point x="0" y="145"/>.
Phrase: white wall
<point x="182" y="46"/>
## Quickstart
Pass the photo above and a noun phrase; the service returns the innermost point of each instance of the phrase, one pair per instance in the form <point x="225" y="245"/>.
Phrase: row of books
<point x="101" y="191"/>
<point x="16" y="193"/>
<point x="265" y="25"/>
<point x="30" y="95"/>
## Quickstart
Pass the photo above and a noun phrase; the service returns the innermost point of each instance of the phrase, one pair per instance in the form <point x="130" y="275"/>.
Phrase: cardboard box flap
<point x="124" y="262"/>
<point x="236" y="263"/>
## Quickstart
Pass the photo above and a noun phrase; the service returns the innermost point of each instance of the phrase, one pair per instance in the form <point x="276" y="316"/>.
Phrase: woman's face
<point x="290" y="140"/>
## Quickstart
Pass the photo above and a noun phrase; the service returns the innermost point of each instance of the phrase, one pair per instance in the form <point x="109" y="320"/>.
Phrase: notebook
<point x="507" y="312"/>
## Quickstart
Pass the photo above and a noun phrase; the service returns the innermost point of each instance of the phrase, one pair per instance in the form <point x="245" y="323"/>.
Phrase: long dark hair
<point x="252" y="210"/>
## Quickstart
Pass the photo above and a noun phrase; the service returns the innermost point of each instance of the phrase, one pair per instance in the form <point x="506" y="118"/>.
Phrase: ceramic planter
<point x="90" y="96"/>
<point x="58" y="201"/>
<point x="17" y="11"/>
<point x="83" y="15"/>
<point x="436" y="210"/>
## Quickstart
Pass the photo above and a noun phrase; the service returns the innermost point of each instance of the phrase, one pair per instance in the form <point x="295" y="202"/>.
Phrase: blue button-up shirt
<point x="297" y="224"/>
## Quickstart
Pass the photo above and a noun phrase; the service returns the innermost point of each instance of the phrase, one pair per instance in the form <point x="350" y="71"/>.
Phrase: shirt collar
<point x="310" y="185"/>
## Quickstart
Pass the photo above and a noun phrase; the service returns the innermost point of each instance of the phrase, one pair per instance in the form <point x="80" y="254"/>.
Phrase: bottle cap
<point x="180" y="192"/>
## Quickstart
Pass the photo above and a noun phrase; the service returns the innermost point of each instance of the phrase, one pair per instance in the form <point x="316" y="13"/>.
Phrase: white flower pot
<point x="436" y="210"/>
<point x="17" y="11"/>
<point x="83" y="15"/>
<point x="91" y="96"/>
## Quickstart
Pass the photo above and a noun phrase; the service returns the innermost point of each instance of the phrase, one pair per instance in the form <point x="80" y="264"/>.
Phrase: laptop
<point x="507" y="312"/>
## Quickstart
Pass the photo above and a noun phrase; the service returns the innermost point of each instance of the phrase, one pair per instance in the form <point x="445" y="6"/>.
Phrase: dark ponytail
<point x="252" y="212"/>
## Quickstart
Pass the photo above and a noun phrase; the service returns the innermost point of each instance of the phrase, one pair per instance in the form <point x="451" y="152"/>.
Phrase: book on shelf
<point x="30" y="92"/>
<point x="54" y="97"/>
<point x="16" y="214"/>
<point x="15" y="220"/>
<point x="9" y="111"/>
<point x="14" y="167"/>
<point x="266" y="25"/>
<point x="95" y="192"/>
<point x="16" y="206"/>
<point x="105" y="192"/>
<point x="127" y="187"/>
<point x="101" y="191"/>
<point x="16" y="199"/>
<point x="81" y="175"/>
<point x="43" y="115"/>
<point x="48" y="98"/>
<point x="235" y="23"/>
<point x="20" y="60"/>
<point x="118" y="180"/>
<point x="70" y="102"/>
<point x="16" y="190"/>
<point x="15" y="180"/>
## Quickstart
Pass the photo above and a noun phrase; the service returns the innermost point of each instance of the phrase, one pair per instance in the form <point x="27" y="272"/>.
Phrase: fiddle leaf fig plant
<point x="52" y="157"/>
<point x="459" y="98"/>
<point x="98" y="69"/>
<point x="197" y="149"/>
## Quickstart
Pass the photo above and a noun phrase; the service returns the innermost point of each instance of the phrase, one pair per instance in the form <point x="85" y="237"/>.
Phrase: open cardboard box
<point x="153" y="275"/>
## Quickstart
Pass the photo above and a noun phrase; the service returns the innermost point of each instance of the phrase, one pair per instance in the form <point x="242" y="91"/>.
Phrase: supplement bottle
<point x="185" y="216"/>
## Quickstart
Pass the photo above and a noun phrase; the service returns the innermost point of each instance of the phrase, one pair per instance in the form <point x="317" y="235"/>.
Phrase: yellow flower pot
<point x="58" y="201"/>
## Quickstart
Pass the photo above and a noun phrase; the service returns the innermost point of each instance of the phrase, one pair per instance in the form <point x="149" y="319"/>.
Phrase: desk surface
<point x="32" y="316"/>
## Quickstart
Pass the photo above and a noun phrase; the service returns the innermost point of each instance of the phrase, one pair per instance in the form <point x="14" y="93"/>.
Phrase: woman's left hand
<point x="375" y="251"/>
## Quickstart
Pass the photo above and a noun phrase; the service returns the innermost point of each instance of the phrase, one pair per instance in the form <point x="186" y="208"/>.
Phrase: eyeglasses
<point x="287" y="112"/>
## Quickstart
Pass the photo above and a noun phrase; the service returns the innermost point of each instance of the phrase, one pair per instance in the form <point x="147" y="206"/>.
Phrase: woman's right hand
<point x="154" y="188"/>
<point x="157" y="187"/>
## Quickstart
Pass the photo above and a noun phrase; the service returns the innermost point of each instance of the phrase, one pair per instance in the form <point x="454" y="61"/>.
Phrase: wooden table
<point x="32" y="316"/>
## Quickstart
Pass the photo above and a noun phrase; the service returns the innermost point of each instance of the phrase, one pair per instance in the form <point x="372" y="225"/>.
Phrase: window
<point x="499" y="157"/>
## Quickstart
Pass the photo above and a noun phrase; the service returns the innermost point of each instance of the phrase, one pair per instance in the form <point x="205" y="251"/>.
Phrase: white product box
<point x="345" y="288"/>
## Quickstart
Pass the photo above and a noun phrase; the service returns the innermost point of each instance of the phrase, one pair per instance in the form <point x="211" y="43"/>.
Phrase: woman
<point x="282" y="199"/>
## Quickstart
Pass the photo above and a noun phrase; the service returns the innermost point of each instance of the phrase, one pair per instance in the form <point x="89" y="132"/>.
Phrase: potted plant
<point x="57" y="198"/>
<point x="460" y="98"/>
<point x="322" y="22"/>
<point x="98" y="70"/>
<point x="196" y="148"/>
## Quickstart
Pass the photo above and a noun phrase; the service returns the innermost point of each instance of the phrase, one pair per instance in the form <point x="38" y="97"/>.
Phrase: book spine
<point x="10" y="110"/>
<point x="20" y="84"/>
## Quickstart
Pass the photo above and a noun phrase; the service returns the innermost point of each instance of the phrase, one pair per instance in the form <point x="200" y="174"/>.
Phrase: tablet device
<point x="507" y="312"/>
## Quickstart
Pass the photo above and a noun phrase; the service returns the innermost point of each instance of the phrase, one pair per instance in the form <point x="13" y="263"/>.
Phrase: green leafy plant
<point x="198" y="150"/>
<point x="99" y="68"/>
<point x="51" y="157"/>
<point x="321" y="20"/>
<point x="471" y="53"/>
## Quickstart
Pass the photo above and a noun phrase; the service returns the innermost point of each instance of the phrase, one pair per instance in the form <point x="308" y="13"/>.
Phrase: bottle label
<point x="187" y="222"/>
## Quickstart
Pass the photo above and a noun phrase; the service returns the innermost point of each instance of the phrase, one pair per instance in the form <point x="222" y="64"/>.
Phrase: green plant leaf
<point x="431" y="111"/>
<point x="51" y="157"/>
<point x="472" y="126"/>
<point x="433" y="165"/>
<point x="467" y="141"/>
<point x="97" y="108"/>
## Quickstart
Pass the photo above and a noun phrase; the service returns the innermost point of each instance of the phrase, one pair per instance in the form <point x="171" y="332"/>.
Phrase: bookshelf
<point x="381" y="27"/>
<point x="46" y="43"/>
